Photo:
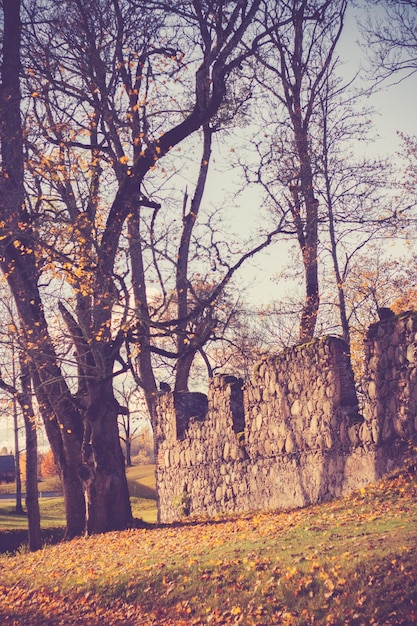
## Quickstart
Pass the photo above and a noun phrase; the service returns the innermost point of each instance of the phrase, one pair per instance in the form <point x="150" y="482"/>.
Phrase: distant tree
<point x="19" y="392"/>
<point x="48" y="467"/>
<point x="407" y="183"/>
<point x="375" y="281"/>
<point x="131" y="418"/>
<point x="143" y="447"/>
<point x="357" y="192"/>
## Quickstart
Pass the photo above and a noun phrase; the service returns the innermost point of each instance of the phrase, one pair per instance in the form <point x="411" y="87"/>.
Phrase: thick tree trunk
<point x="103" y="472"/>
<point x="309" y="238"/>
<point x="66" y="449"/>
<point x="312" y="299"/>
<point x="74" y="502"/>
<point x="11" y="207"/>
<point x="18" y="260"/>
<point x="182" y="373"/>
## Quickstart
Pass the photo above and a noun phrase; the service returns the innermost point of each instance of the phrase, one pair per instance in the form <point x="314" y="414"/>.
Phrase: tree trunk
<point x="128" y="444"/>
<point x="63" y="428"/>
<point x="75" y="510"/>
<point x="20" y="265"/>
<point x="312" y="299"/>
<point x="309" y="248"/>
<point x="339" y="280"/>
<point x="19" y="507"/>
<point x="142" y="314"/>
<point x="102" y="471"/>
<point x="183" y="367"/>
<point x="32" y="500"/>
<point x="187" y="354"/>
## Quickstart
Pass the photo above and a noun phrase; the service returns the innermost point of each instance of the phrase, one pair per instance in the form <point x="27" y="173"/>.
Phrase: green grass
<point x="52" y="514"/>
<point x="142" y="489"/>
<point x="143" y="474"/>
<point x="49" y="484"/>
<point x="9" y="519"/>
<point x="141" y="481"/>
<point x="8" y="488"/>
<point x="351" y="561"/>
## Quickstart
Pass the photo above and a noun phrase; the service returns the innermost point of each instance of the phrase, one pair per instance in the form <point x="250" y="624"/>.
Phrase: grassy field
<point x="351" y="561"/>
<point x="141" y="480"/>
<point x="49" y="484"/>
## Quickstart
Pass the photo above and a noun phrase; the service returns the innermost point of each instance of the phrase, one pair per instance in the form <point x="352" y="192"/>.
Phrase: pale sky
<point x="394" y="111"/>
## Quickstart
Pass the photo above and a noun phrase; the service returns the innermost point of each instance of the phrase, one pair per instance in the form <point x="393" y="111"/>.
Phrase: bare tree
<point x="133" y="416"/>
<point x="357" y="193"/>
<point x="295" y="53"/>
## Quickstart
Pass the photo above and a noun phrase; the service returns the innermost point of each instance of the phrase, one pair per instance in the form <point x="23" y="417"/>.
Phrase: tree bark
<point x="143" y="324"/>
<point x="128" y="445"/>
<point x="309" y="243"/>
<point x="19" y="506"/>
<point x="186" y="351"/>
<point x="102" y="471"/>
<point x="66" y="448"/>
<point x="32" y="500"/>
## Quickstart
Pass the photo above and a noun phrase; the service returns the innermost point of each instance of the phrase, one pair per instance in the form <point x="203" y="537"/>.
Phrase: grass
<point x="49" y="484"/>
<point x="52" y="514"/>
<point x="141" y="481"/>
<point x="351" y="561"/>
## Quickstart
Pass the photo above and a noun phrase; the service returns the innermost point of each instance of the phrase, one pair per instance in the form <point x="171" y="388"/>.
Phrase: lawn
<point x="141" y="480"/>
<point x="351" y="561"/>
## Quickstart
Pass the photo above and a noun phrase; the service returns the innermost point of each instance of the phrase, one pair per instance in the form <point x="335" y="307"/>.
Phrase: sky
<point x="394" y="112"/>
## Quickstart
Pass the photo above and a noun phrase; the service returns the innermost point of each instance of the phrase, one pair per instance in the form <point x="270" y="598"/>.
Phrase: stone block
<point x="289" y="444"/>
<point x="296" y="408"/>
<point x="365" y="433"/>
<point x="372" y="390"/>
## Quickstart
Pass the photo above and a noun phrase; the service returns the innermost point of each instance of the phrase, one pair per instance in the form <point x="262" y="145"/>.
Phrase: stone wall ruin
<point x="293" y="434"/>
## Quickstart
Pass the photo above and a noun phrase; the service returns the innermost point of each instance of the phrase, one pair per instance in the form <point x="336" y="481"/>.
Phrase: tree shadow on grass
<point x="15" y="540"/>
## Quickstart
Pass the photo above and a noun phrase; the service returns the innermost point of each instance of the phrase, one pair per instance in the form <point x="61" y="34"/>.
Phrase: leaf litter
<point x="351" y="561"/>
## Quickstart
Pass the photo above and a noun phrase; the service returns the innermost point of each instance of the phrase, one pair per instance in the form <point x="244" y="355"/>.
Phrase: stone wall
<point x="292" y="435"/>
<point x="390" y="386"/>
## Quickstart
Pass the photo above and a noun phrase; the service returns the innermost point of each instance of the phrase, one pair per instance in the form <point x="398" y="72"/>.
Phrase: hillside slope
<point x="352" y="561"/>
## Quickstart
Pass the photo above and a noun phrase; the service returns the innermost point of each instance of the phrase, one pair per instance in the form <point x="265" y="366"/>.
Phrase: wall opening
<point x="188" y="405"/>
<point x="236" y="404"/>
